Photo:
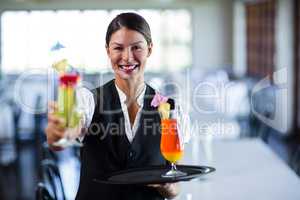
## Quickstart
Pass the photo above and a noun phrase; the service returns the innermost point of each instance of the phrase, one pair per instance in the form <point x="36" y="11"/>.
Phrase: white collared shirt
<point x="86" y="103"/>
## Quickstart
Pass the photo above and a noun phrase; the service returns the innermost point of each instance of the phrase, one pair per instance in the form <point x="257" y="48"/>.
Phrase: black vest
<point x="106" y="147"/>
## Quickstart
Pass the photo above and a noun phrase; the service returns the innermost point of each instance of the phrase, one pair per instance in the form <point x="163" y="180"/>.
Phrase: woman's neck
<point x="130" y="88"/>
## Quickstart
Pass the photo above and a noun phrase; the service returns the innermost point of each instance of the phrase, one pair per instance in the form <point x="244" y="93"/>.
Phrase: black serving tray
<point x="152" y="175"/>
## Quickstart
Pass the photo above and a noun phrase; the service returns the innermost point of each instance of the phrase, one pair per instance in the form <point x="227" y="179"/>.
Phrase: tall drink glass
<point x="67" y="108"/>
<point x="171" y="144"/>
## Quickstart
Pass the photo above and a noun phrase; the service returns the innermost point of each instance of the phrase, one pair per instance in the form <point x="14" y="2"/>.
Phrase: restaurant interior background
<point x="234" y="64"/>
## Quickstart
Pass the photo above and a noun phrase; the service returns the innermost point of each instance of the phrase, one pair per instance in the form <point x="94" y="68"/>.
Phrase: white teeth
<point x="128" y="67"/>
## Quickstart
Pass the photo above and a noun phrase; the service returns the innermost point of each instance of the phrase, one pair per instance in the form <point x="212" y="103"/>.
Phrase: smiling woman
<point x="130" y="137"/>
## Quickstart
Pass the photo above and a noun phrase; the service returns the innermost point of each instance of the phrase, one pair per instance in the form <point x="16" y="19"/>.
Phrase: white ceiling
<point x="90" y="4"/>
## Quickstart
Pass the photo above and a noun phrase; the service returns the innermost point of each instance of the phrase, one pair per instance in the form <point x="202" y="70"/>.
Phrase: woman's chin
<point x="128" y="75"/>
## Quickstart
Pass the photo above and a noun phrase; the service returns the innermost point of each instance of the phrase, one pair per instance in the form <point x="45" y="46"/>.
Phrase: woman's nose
<point x="127" y="55"/>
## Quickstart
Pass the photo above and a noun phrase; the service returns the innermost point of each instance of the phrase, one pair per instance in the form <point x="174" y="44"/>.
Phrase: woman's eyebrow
<point x="136" y="42"/>
<point x="115" y="43"/>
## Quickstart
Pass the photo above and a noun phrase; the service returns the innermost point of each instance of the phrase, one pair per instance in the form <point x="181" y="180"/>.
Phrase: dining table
<point x="246" y="169"/>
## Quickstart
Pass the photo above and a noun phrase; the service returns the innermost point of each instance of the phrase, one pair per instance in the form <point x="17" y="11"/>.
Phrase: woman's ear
<point x="107" y="50"/>
<point x="150" y="49"/>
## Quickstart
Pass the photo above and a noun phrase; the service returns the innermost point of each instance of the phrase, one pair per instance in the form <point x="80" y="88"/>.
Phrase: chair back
<point x="51" y="177"/>
<point x="42" y="193"/>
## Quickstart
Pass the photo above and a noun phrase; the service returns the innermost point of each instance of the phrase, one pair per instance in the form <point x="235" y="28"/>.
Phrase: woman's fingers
<point x="54" y="133"/>
<point x="52" y="118"/>
<point x="168" y="190"/>
<point x="52" y="106"/>
<point x="55" y="128"/>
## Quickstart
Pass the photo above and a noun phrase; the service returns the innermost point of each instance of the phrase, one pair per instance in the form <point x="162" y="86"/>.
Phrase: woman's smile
<point x="129" y="68"/>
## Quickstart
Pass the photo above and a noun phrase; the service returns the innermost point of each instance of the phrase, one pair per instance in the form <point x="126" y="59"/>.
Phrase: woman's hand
<point x="167" y="190"/>
<point x="55" y="128"/>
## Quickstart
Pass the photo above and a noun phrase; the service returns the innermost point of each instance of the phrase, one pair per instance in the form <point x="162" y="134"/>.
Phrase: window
<point x="28" y="36"/>
<point x="260" y="20"/>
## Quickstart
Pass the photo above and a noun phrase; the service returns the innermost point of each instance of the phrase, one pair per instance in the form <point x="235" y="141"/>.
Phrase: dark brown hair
<point x="131" y="21"/>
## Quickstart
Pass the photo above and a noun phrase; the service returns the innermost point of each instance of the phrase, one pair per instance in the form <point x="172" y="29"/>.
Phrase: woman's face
<point x="128" y="52"/>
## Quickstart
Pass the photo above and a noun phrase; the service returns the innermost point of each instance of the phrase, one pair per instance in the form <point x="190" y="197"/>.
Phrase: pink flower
<point x="158" y="99"/>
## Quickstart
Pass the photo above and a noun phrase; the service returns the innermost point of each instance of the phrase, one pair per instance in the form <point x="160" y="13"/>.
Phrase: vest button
<point x="131" y="154"/>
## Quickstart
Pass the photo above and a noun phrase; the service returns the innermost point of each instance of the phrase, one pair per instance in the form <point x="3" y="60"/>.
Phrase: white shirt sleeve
<point x="85" y="105"/>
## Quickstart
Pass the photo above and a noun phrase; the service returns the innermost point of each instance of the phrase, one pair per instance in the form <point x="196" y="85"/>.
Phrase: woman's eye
<point x="117" y="48"/>
<point x="136" y="47"/>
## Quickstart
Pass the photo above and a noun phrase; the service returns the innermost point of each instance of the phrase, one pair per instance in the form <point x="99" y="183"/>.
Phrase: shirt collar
<point x="140" y="96"/>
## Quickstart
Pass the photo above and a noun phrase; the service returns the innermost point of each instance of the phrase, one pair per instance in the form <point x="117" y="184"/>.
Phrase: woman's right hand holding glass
<point x="56" y="129"/>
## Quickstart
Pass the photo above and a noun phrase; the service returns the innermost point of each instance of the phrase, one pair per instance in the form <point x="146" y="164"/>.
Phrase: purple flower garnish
<point x="158" y="99"/>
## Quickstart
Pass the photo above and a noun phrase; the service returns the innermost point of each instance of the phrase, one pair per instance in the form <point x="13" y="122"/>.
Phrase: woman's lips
<point x="128" y="68"/>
